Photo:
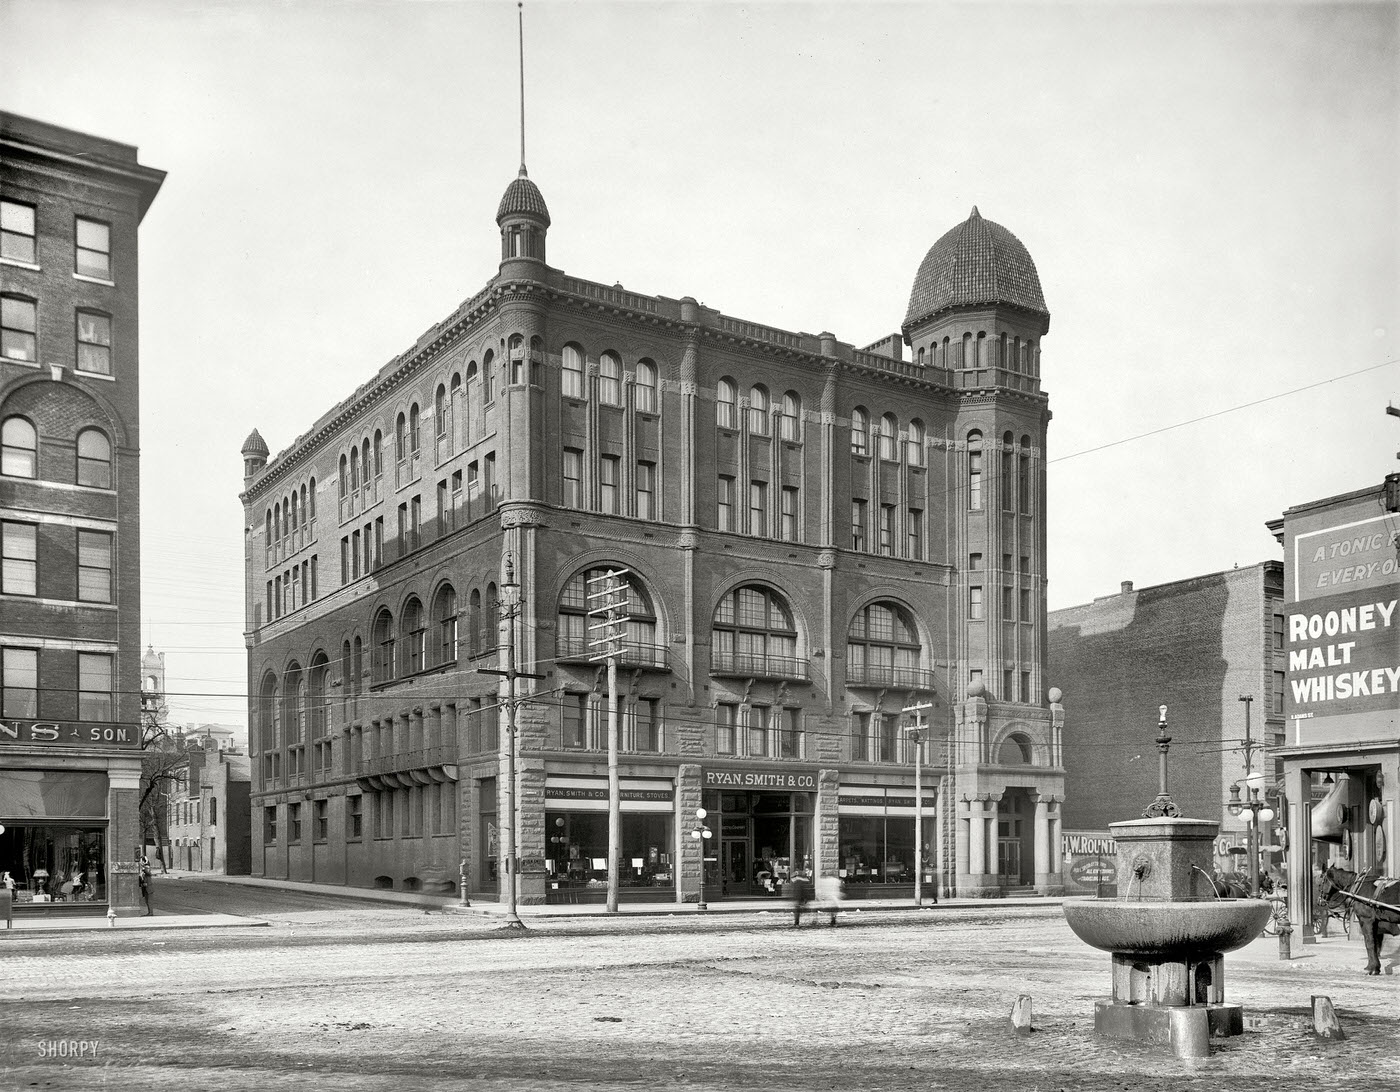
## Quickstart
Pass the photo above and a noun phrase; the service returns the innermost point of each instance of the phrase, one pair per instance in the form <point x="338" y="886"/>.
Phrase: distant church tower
<point x="153" y="684"/>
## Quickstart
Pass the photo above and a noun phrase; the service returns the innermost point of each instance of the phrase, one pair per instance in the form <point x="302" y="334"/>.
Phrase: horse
<point x="1373" y="920"/>
<point x="1230" y="885"/>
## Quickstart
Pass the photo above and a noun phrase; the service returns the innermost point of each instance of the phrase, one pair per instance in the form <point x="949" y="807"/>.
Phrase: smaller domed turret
<point x="254" y="454"/>
<point x="523" y="218"/>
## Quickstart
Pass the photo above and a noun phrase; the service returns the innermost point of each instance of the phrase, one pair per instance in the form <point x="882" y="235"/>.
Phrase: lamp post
<point x="916" y="733"/>
<point x="702" y="834"/>
<point x="1258" y="812"/>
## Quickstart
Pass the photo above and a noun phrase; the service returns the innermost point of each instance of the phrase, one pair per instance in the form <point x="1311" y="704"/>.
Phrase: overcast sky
<point x="1209" y="193"/>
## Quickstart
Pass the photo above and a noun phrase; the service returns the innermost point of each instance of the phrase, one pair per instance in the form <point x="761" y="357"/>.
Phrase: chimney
<point x="1126" y="587"/>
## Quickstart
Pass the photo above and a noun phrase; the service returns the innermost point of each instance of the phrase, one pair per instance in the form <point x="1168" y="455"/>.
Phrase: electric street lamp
<point x="702" y="834"/>
<point x="1257" y="812"/>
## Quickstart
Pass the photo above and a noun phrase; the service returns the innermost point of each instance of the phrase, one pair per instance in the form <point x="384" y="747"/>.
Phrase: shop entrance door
<point x="736" y="868"/>
<point x="1009" y="860"/>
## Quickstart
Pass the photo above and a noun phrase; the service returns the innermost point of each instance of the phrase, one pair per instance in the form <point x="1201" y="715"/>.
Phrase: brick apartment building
<point x="209" y="810"/>
<point x="816" y="536"/>
<point x="1195" y="646"/>
<point x="70" y="207"/>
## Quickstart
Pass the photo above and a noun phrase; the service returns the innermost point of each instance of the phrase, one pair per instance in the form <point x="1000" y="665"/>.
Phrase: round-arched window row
<point x="19" y="453"/>
<point x="891" y="442"/>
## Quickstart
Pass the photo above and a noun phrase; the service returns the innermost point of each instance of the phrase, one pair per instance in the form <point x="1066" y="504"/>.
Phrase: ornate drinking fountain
<point x="1168" y="929"/>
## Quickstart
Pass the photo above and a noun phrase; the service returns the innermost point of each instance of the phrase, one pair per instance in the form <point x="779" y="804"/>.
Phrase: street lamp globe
<point x="1266" y="815"/>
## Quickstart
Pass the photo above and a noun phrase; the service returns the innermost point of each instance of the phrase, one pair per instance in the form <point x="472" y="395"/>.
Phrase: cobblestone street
<point x="375" y="997"/>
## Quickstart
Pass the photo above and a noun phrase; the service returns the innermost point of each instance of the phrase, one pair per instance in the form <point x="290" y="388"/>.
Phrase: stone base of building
<point x="1187" y="1029"/>
<point x="979" y="887"/>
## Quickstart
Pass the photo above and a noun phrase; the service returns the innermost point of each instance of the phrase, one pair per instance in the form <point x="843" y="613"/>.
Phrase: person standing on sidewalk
<point x="144" y="879"/>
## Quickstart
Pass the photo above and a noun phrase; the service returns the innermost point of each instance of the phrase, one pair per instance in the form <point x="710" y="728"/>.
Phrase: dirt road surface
<point x="368" y="997"/>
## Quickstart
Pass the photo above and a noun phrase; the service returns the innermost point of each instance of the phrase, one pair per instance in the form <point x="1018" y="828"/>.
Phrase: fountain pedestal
<point x="1168" y="933"/>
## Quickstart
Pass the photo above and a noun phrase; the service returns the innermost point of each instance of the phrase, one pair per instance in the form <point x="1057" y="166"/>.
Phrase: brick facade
<point x="1193" y="645"/>
<point x="70" y="490"/>
<point x="571" y="427"/>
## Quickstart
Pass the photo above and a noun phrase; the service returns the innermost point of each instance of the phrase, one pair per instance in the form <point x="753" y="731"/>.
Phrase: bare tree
<point x="162" y="756"/>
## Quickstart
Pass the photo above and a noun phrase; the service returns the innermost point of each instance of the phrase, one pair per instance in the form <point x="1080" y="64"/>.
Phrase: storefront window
<point x="54" y="862"/>
<point x="577" y="851"/>
<point x="880" y="849"/>
<point x="54" y="845"/>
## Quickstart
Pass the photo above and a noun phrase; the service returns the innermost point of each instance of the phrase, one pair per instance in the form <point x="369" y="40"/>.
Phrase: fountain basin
<point x="1167" y="929"/>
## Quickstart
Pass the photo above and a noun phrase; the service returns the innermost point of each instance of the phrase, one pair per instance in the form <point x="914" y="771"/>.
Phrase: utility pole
<point x="1253" y="790"/>
<point x="607" y="605"/>
<point x="508" y="610"/>
<point x="917" y="734"/>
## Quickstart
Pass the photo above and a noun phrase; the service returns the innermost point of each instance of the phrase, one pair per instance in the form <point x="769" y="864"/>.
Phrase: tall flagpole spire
<point x="520" y="15"/>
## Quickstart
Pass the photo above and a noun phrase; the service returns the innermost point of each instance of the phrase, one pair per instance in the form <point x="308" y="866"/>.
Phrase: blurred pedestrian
<point x="801" y="896"/>
<point x="830" y="891"/>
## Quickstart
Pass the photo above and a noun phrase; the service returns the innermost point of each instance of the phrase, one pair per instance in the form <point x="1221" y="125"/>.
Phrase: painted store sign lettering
<point x="730" y="779"/>
<point x="1343" y="654"/>
<point x="68" y="733"/>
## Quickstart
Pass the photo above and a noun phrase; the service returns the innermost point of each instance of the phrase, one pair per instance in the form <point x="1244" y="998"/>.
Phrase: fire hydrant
<point x="1285" y="931"/>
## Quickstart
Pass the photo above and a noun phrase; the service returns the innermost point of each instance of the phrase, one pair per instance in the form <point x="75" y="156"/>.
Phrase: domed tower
<point x="254" y="454"/>
<point x="976" y="307"/>
<point x="524" y="221"/>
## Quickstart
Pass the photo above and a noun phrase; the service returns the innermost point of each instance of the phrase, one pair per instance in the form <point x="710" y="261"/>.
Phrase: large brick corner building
<point x="817" y="535"/>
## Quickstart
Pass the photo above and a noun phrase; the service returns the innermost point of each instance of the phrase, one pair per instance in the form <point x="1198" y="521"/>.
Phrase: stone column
<point x="1043" y="852"/>
<point x="1298" y="792"/>
<point x="962" y="848"/>
<point x="690" y="852"/>
<point x="977" y="848"/>
<point x="826" y="836"/>
<point x="1057" y="857"/>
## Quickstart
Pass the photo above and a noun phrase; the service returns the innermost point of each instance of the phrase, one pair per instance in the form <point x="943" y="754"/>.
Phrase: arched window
<point x="268" y="710"/>
<point x="726" y="398"/>
<point x="792" y="416"/>
<point x="516" y="350"/>
<point x="414" y="631"/>
<point x="758" y="410"/>
<point x="860" y="432"/>
<point x="474" y="621"/>
<point x="914" y="446"/>
<point x="536" y="362"/>
<point x="343" y="481"/>
<point x="488" y="377"/>
<point x="400" y="438"/>
<point x="354" y="470"/>
<point x="974" y="470"/>
<point x="753" y="634"/>
<point x="413" y="428"/>
<point x="19" y="448"/>
<point x="357" y="664"/>
<point x="346" y="685"/>
<point x="882" y="647"/>
<point x="277" y="521"/>
<point x="646" y="386"/>
<point x="377" y="453"/>
<point x="610" y="379"/>
<point x="311" y="500"/>
<point x="440" y="412"/>
<point x="640" y="647"/>
<point x="1023" y="479"/>
<point x="94" y="459"/>
<point x="317" y="705"/>
<point x="1015" y="750"/>
<point x="364" y="463"/>
<point x="889" y="438"/>
<point x="291" y="504"/>
<point x="445" y="615"/>
<point x="293" y="705"/>
<point x="572" y="361"/>
<point x="267" y="528"/>
<point x="383" y="638"/>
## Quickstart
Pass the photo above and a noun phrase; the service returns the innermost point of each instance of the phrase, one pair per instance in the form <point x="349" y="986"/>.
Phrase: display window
<point x="577" y="852"/>
<point x="765" y="842"/>
<point x="53" y="836"/>
<point x="877" y="849"/>
<point x="54" y="862"/>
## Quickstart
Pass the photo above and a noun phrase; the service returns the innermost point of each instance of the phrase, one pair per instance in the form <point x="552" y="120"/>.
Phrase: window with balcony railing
<point x="753" y="635"/>
<point x="639" y="647"/>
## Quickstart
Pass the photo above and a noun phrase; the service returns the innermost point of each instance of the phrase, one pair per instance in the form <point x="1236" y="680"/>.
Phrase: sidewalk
<point x="96" y="922"/>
